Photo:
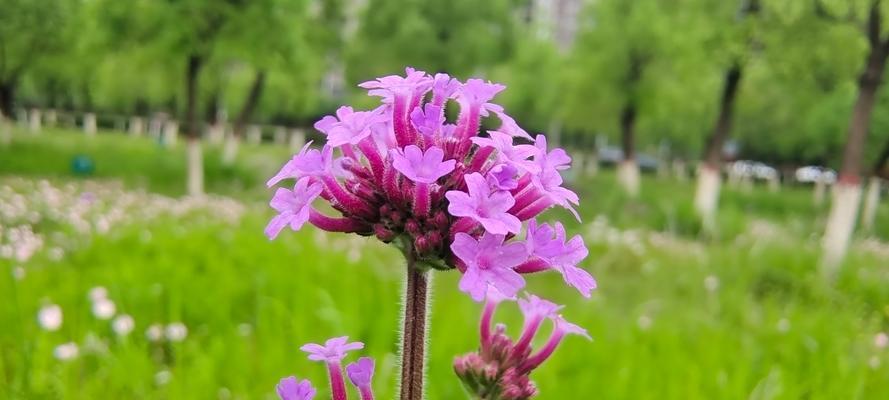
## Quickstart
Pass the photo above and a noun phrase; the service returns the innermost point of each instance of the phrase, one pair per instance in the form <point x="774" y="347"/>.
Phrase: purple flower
<point x="428" y="120"/>
<point x="308" y="162"/>
<point x="507" y="152"/>
<point x="535" y="308"/>
<point x="548" y="244"/>
<point x="291" y="389"/>
<point x="361" y="374"/>
<point x="478" y="92"/>
<point x="350" y="127"/>
<point x="413" y="83"/>
<point x="502" y="177"/>
<point x="422" y="167"/>
<point x="489" y="262"/>
<point x="487" y="208"/>
<point x="333" y="350"/>
<point x="293" y="206"/>
<point x="549" y="180"/>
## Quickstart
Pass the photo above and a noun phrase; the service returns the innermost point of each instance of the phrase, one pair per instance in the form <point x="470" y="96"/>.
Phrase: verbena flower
<point x="332" y="353"/>
<point x="291" y="389"/>
<point x="406" y="174"/>
<point x="501" y="368"/>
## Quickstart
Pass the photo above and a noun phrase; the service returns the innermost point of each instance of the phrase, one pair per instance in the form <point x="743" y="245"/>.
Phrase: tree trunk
<point x="881" y="167"/>
<point x="5" y="131"/>
<point x="847" y="193"/>
<point x="707" y="190"/>
<point x="628" y="169"/>
<point x="250" y="104"/>
<point x="871" y="203"/>
<point x="194" y="157"/>
<point x="7" y="99"/>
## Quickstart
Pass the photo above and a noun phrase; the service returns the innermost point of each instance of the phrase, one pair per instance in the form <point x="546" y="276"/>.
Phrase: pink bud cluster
<point x="446" y="193"/>
<point x="500" y="369"/>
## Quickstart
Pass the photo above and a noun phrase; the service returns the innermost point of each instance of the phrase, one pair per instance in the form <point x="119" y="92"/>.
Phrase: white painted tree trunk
<point x="195" y="163"/>
<point x="52" y="118"/>
<point x="707" y="195"/>
<point x="820" y="191"/>
<point x="155" y="128"/>
<point x="774" y="184"/>
<point x="137" y="126"/>
<point x="170" y="133"/>
<point x="297" y="140"/>
<point x="840" y="225"/>
<point x="280" y="135"/>
<point x="578" y="164"/>
<point x="254" y="134"/>
<point x="628" y="177"/>
<point x="34" y="121"/>
<point x="89" y="124"/>
<point x="216" y="132"/>
<point x="230" y="150"/>
<point x="871" y="203"/>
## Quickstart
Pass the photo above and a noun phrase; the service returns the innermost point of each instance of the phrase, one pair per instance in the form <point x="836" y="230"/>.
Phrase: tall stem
<point x="413" y="345"/>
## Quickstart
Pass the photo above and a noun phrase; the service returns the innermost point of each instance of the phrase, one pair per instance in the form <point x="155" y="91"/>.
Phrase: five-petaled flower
<point x="291" y="389"/>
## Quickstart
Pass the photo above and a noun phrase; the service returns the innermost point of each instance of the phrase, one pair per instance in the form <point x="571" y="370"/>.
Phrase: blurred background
<point x="729" y="154"/>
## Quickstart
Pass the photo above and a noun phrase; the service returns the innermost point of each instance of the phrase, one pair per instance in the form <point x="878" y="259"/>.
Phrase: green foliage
<point x="744" y="315"/>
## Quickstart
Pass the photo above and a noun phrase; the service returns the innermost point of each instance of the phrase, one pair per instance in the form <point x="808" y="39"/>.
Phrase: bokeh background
<point x="136" y="137"/>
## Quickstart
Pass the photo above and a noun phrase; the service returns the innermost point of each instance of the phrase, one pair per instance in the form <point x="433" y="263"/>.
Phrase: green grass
<point x="773" y="329"/>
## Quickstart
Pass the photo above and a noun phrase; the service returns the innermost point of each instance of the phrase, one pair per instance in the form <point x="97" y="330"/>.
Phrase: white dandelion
<point x="104" y="309"/>
<point x="176" y="332"/>
<point x="123" y="325"/>
<point x="66" y="351"/>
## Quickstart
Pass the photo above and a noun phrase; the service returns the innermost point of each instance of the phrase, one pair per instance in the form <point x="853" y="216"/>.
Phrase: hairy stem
<point x="413" y="345"/>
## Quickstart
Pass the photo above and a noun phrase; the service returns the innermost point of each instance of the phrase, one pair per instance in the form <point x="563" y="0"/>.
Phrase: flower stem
<point x="413" y="345"/>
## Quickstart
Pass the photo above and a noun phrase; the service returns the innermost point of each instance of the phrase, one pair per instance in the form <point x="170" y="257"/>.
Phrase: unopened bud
<point x="412" y="227"/>
<point x="384" y="234"/>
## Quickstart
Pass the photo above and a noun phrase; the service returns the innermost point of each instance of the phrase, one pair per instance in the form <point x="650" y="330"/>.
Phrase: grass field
<point x="738" y="314"/>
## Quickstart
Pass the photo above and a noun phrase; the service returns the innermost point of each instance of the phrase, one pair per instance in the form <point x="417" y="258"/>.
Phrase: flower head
<point x="333" y="350"/>
<point x="50" y="317"/>
<point x="547" y="243"/>
<point x="291" y="389"/>
<point x="403" y="173"/>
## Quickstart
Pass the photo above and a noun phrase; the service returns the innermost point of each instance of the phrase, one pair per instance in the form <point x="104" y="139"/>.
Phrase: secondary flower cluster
<point x="448" y="197"/>
<point x="332" y="353"/>
<point x="499" y="370"/>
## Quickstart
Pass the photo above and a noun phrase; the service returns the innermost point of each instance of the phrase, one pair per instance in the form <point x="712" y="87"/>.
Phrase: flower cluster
<point x="332" y="353"/>
<point x="448" y="196"/>
<point x="499" y="369"/>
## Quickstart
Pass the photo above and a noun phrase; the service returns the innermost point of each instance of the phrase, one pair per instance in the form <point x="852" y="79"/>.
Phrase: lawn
<point x="741" y="313"/>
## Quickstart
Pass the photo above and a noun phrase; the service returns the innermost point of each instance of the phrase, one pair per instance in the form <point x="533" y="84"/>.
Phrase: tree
<point x="847" y="195"/>
<point x="29" y="32"/>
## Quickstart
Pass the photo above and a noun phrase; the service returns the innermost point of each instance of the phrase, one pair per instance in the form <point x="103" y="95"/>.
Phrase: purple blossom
<point x="402" y="173"/>
<point x="484" y="206"/>
<point x="308" y="162"/>
<point x="350" y="127"/>
<point x="428" y="120"/>
<point x="361" y="375"/>
<point x="293" y="206"/>
<point x="507" y="152"/>
<point x="333" y="350"/>
<point x="502" y="177"/>
<point x="422" y="167"/>
<point x="489" y="261"/>
<point x="534" y="308"/>
<point x="291" y="389"/>
<point x="548" y="244"/>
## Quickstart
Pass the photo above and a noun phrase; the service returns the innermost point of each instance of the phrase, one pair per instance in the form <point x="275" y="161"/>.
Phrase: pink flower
<point x="308" y="162"/>
<point x="487" y="208"/>
<point x="502" y="177"/>
<point x="422" y="167"/>
<point x="293" y="206"/>
<point x="509" y="153"/>
<point x="548" y="244"/>
<point x="489" y="262"/>
<point x="361" y="374"/>
<point x="291" y="389"/>
<point x="350" y="127"/>
<point x="333" y="350"/>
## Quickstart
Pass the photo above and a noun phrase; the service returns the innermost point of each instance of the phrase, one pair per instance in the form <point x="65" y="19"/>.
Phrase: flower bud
<point x="412" y="227"/>
<point x="384" y="234"/>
